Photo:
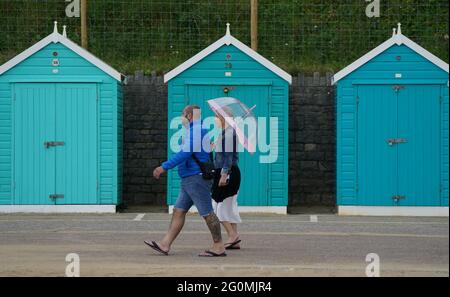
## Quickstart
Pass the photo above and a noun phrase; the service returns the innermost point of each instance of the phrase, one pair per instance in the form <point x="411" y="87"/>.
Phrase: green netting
<point x="298" y="35"/>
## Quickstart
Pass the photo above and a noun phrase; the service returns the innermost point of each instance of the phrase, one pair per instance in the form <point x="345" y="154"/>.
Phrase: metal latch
<point x="393" y="141"/>
<point x="48" y="144"/>
<point x="398" y="88"/>
<point x="56" y="196"/>
<point x="397" y="198"/>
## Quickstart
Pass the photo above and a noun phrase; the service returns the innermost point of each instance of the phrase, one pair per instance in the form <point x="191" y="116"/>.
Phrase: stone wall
<point x="145" y="137"/>
<point x="312" y="137"/>
<point x="312" y="140"/>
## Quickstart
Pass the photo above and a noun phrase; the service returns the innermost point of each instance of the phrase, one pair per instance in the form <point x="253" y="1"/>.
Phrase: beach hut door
<point x="55" y="143"/>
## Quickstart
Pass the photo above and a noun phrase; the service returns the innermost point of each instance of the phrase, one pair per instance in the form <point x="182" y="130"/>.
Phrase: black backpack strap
<point x="211" y="158"/>
<point x="196" y="160"/>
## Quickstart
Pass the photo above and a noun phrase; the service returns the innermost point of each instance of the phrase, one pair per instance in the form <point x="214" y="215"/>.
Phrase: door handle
<point x="393" y="141"/>
<point x="397" y="198"/>
<point x="398" y="88"/>
<point x="48" y="144"/>
<point x="56" y="196"/>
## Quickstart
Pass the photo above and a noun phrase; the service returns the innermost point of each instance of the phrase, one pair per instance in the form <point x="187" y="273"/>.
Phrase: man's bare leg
<point x="177" y="223"/>
<point x="214" y="227"/>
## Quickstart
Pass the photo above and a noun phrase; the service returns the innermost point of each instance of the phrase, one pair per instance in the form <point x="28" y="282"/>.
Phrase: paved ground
<point x="294" y="245"/>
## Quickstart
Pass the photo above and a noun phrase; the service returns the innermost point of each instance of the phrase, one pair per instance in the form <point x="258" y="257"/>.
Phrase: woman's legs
<point x="228" y="214"/>
<point x="234" y="225"/>
<point x="231" y="229"/>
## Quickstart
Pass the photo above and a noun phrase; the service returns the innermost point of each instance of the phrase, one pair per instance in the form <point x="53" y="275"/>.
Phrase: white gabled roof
<point x="399" y="39"/>
<point x="55" y="37"/>
<point x="227" y="40"/>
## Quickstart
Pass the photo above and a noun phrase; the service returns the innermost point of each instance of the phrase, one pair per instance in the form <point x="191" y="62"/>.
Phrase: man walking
<point x="194" y="189"/>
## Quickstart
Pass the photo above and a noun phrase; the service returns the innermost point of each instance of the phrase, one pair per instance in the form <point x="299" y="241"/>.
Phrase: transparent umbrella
<point x="238" y="116"/>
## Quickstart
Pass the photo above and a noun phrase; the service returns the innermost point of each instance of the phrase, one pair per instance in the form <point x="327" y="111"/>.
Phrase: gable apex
<point x="397" y="39"/>
<point x="228" y="39"/>
<point x="56" y="37"/>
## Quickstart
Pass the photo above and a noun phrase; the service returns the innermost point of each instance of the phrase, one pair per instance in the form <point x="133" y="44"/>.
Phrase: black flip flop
<point x="212" y="254"/>
<point x="156" y="247"/>
<point x="231" y="246"/>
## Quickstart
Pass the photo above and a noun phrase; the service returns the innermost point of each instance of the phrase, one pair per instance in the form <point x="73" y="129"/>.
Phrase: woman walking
<point x="226" y="182"/>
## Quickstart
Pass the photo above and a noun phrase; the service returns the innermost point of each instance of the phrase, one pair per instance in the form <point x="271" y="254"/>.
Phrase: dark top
<point x="226" y="150"/>
<point x="226" y="160"/>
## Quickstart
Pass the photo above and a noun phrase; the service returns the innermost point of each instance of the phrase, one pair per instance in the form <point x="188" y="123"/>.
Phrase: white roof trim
<point x="227" y="40"/>
<point x="55" y="37"/>
<point x="398" y="39"/>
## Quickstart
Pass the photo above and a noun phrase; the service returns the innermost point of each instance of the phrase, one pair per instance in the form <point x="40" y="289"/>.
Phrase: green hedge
<point x="298" y="35"/>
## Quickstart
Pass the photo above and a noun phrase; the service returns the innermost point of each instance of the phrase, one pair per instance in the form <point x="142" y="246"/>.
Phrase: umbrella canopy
<point x="237" y="115"/>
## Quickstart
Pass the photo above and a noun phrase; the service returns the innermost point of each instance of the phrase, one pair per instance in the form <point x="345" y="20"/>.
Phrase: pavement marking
<point x="337" y="234"/>
<point x="313" y="219"/>
<point x="139" y="217"/>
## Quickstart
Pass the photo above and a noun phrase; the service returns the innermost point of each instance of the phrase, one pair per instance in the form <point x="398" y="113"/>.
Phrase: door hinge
<point x="357" y="100"/>
<point x="357" y="187"/>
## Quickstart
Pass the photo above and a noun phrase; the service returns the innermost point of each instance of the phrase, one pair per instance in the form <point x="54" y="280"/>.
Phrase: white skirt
<point x="227" y="211"/>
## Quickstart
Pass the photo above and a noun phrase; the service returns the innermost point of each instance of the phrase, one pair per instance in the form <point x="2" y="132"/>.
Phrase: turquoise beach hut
<point x="230" y="68"/>
<point x="392" y="132"/>
<point x="60" y="130"/>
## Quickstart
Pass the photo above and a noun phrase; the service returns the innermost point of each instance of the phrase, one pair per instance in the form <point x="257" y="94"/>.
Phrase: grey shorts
<point x="195" y="191"/>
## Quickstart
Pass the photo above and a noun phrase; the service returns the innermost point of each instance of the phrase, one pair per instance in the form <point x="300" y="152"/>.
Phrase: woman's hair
<point x="227" y="110"/>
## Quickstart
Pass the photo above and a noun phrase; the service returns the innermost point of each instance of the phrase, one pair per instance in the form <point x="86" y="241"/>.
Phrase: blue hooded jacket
<point x="183" y="159"/>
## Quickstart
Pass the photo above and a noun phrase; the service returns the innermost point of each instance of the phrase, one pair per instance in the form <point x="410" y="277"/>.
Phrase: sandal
<point x="209" y="253"/>
<point x="232" y="245"/>
<point x="156" y="247"/>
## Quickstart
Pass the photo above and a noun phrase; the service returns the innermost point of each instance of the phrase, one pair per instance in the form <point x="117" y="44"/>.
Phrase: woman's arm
<point x="227" y="151"/>
<point x="227" y="162"/>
